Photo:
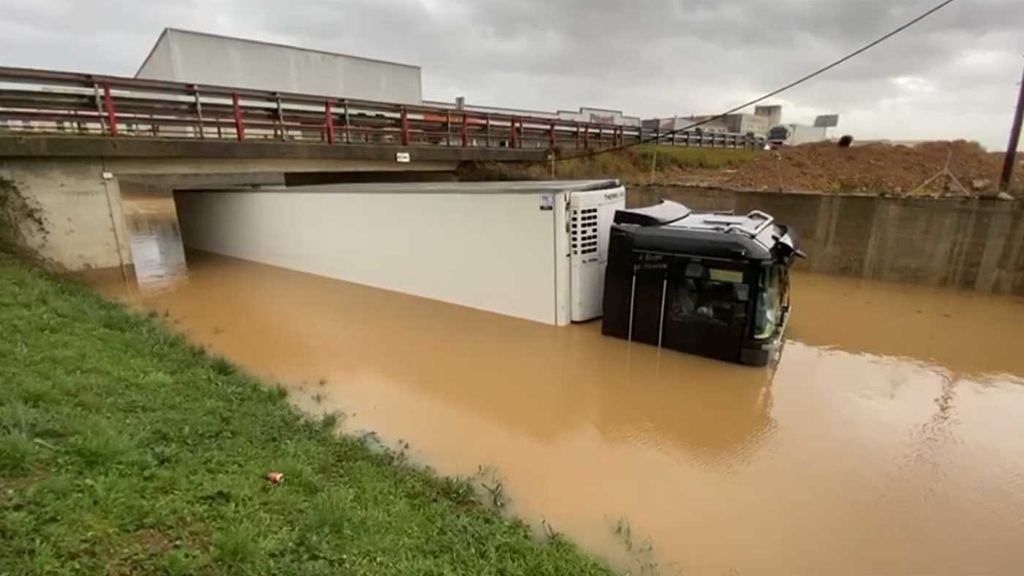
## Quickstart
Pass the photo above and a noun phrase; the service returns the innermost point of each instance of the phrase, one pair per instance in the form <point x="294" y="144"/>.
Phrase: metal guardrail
<point x="43" y="101"/>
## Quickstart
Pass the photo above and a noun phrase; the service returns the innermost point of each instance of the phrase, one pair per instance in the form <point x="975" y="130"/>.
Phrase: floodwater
<point x="888" y="440"/>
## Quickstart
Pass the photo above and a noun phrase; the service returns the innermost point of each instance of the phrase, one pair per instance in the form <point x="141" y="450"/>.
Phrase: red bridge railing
<point x="42" y="101"/>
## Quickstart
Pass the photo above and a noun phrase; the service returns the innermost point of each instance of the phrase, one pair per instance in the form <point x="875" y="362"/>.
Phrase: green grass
<point x="683" y="157"/>
<point x="124" y="450"/>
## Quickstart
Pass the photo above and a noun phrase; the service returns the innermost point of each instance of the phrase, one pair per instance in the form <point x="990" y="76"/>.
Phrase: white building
<point x="201" y="58"/>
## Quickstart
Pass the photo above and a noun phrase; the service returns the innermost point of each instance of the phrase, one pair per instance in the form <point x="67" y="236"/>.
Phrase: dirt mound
<point x="870" y="169"/>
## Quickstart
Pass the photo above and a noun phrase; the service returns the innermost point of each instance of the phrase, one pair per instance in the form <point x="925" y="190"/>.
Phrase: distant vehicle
<point x="795" y="135"/>
<point x="710" y="284"/>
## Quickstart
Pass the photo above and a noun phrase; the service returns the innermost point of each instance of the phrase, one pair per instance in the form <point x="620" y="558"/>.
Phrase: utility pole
<point x="1011" y="150"/>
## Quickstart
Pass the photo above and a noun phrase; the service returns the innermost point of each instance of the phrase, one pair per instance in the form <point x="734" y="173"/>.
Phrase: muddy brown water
<point x="888" y="440"/>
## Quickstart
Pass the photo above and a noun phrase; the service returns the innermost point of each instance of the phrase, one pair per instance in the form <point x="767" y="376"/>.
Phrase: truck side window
<point x="697" y="298"/>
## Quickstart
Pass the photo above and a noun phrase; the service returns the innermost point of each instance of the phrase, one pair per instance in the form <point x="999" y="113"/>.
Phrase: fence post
<point x="239" y="124"/>
<point x="487" y="131"/>
<point x="405" y="127"/>
<point x="551" y="135"/>
<point x="515" y="136"/>
<point x="329" y="121"/>
<point x="108" y="103"/>
<point x="586" y="136"/>
<point x="465" y="130"/>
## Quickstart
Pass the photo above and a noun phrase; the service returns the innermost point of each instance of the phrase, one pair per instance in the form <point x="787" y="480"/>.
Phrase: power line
<point x="775" y="92"/>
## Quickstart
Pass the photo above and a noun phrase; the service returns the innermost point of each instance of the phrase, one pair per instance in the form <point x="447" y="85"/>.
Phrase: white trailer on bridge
<point x="534" y="250"/>
<point x="201" y="58"/>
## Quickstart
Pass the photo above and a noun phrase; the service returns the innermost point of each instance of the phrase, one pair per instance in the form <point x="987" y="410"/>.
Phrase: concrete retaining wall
<point x="970" y="244"/>
<point x="75" y="220"/>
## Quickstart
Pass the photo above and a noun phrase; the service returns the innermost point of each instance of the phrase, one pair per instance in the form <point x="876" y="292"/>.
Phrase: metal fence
<point x="42" y="101"/>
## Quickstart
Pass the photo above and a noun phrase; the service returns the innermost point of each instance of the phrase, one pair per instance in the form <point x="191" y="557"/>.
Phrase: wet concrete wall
<point x="960" y="243"/>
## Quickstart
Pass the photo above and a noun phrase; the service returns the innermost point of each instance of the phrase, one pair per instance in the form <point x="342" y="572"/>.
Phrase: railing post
<point x="199" y="110"/>
<point x="465" y="130"/>
<point x="329" y="121"/>
<point x="551" y="135"/>
<point x="487" y="131"/>
<point x="405" y="127"/>
<point x="577" y="134"/>
<point x="108" y="103"/>
<point x="344" y="103"/>
<point x="586" y="136"/>
<point x="448" y="128"/>
<point x="239" y="124"/>
<point x="280" y="118"/>
<point x="515" y="137"/>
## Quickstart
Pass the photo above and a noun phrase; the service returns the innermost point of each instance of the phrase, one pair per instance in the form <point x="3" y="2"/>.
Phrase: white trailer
<point x="796" y="134"/>
<point x="202" y="58"/>
<point x="534" y="250"/>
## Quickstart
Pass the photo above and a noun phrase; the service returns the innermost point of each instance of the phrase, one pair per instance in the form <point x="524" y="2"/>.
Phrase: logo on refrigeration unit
<point x="614" y="195"/>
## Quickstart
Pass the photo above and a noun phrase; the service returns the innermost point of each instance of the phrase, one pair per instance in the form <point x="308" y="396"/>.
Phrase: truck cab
<point x="711" y="284"/>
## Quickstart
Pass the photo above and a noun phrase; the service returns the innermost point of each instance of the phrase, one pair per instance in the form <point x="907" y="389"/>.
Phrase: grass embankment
<point x="647" y="164"/>
<point x="124" y="450"/>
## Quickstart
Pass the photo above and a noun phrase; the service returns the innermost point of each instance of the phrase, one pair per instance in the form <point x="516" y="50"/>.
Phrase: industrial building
<point x="201" y="58"/>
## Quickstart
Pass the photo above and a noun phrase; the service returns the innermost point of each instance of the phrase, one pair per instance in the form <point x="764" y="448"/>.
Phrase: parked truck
<point x="795" y="135"/>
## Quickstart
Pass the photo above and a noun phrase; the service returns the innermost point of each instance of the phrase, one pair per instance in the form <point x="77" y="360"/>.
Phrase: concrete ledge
<point x="52" y="146"/>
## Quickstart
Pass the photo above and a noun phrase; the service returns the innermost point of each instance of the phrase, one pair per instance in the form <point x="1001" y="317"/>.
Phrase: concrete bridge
<point x="72" y="144"/>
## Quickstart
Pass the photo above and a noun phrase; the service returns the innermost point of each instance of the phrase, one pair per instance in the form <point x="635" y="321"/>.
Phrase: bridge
<point x="72" y="144"/>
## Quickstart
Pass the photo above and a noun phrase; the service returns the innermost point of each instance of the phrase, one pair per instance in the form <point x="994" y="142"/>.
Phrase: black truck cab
<point x="707" y="283"/>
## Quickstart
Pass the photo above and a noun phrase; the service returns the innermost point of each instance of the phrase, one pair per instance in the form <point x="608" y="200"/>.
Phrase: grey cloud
<point x="653" y="57"/>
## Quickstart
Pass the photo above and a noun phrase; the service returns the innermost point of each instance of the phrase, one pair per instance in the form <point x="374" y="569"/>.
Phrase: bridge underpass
<point x="72" y="187"/>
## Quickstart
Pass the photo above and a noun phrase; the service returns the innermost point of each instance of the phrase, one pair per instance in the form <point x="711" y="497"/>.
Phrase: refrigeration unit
<point x="534" y="250"/>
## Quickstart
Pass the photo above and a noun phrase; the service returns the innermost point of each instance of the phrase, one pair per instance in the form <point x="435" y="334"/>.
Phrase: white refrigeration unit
<point x="534" y="250"/>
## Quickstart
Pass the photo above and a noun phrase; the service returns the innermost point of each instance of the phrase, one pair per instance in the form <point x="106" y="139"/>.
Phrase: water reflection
<point x="158" y="255"/>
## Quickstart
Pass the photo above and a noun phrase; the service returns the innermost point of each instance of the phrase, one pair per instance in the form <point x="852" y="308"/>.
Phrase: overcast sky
<point x="952" y="76"/>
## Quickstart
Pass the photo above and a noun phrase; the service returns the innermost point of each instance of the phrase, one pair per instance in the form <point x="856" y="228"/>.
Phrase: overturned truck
<point x="706" y="283"/>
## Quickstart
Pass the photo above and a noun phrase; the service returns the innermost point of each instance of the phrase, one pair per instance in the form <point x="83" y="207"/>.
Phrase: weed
<point x="237" y="547"/>
<point x="642" y="553"/>
<point x="625" y="532"/>
<point x="15" y="452"/>
<point x="494" y="487"/>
